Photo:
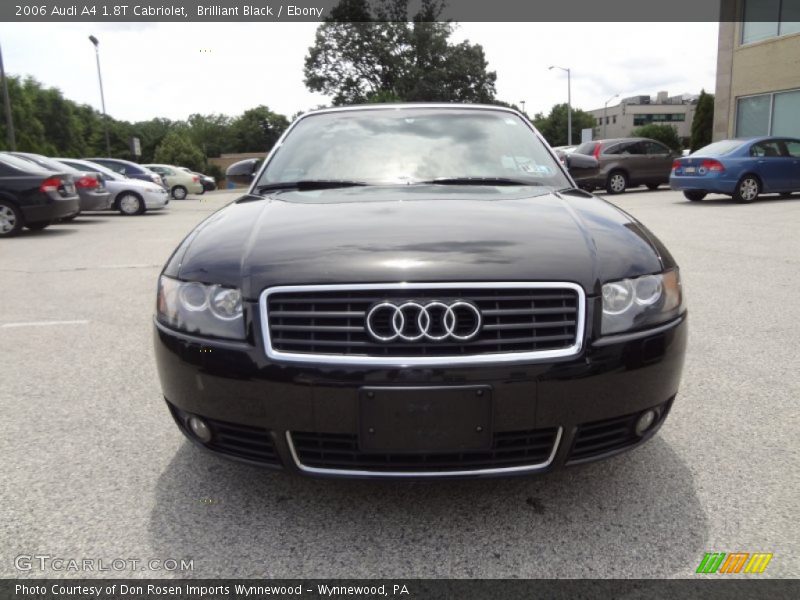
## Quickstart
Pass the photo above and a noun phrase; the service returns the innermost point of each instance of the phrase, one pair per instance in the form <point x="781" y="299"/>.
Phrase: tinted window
<point x="616" y="149"/>
<point x="793" y="147"/>
<point x="654" y="148"/>
<point x="412" y="145"/>
<point x="766" y="149"/>
<point x="636" y="148"/>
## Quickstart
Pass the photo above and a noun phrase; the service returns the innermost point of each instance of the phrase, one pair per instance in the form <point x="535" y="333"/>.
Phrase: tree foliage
<point x="554" y="126"/>
<point x="257" y="129"/>
<point x="666" y="134"/>
<point x="703" y="123"/>
<point x="47" y="123"/>
<point x="373" y="52"/>
<point x="177" y="148"/>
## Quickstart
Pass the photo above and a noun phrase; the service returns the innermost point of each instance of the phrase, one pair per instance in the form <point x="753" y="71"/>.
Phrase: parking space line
<point x="43" y="323"/>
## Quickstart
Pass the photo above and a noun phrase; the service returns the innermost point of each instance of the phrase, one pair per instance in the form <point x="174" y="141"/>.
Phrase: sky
<point x="173" y="70"/>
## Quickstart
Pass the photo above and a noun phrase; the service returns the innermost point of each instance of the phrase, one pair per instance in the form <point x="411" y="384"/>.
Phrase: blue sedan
<point x="743" y="169"/>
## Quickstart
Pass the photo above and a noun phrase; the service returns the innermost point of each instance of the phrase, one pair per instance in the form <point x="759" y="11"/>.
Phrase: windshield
<point x="719" y="148"/>
<point x="20" y="164"/>
<point x="412" y="145"/>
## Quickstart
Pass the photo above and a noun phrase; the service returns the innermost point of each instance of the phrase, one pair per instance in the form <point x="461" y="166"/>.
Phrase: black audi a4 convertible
<point x="418" y="291"/>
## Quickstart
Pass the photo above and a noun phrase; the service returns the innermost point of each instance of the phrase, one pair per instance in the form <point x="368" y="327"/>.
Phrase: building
<point x="758" y="70"/>
<point x="662" y="109"/>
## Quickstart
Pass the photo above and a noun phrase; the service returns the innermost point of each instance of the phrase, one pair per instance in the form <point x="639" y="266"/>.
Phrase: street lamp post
<point x="12" y="142"/>
<point x="605" y="116"/>
<point x="569" y="102"/>
<point x="523" y="106"/>
<point x="96" y="44"/>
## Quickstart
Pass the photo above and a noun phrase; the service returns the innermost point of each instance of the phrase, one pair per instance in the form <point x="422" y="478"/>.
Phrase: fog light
<point x="200" y="430"/>
<point x="644" y="422"/>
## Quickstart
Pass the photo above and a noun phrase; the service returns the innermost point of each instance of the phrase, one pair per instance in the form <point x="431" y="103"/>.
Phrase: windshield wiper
<point x="309" y="184"/>
<point x="480" y="181"/>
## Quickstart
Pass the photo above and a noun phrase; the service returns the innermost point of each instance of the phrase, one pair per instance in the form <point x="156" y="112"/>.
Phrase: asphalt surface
<point x="93" y="466"/>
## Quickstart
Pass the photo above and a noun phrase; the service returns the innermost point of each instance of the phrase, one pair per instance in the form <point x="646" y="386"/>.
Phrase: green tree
<point x="703" y="123"/>
<point x="177" y="149"/>
<point x="373" y="52"/>
<point x="554" y="126"/>
<point x="257" y="130"/>
<point x="666" y="134"/>
<point x="211" y="133"/>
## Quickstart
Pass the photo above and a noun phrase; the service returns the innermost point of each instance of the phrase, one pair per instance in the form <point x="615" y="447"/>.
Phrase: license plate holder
<point x="418" y="420"/>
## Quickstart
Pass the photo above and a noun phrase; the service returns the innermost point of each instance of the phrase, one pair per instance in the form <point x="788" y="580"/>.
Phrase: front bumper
<point x="586" y="406"/>
<point x="155" y="199"/>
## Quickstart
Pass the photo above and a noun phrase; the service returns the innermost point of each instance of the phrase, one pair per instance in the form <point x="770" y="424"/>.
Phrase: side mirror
<point x="580" y="161"/>
<point x="244" y="171"/>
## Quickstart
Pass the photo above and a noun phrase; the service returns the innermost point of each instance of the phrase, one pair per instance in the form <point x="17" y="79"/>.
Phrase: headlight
<point x="640" y="302"/>
<point x="202" y="309"/>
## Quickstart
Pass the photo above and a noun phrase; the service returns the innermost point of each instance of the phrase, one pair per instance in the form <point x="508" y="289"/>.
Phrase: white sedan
<point x="129" y="196"/>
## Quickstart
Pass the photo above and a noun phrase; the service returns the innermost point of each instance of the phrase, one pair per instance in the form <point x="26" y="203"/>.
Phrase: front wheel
<point x="617" y="182"/>
<point x="130" y="204"/>
<point x="10" y="219"/>
<point x="747" y="190"/>
<point x="179" y="192"/>
<point x="694" y="196"/>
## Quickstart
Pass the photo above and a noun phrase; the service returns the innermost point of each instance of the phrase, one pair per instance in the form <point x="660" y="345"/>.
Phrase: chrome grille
<point x="520" y="320"/>
<point x="339" y="453"/>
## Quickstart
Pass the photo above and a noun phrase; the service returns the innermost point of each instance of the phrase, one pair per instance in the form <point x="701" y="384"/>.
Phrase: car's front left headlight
<point x="641" y="301"/>
<point x="201" y="309"/>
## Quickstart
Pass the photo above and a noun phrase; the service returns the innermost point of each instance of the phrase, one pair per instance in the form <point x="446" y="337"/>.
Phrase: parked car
<point x="179" y="182"/>
<point x="741" y="168"/>
<point x="624" y="163"/>
<point x="418" y="291"/>
<point x="209" y="183"/>
<point x="88" y="182"/>
<point x="128" y="196"/>
<point x="33" y="197"/>
<point x="129" y="169"/>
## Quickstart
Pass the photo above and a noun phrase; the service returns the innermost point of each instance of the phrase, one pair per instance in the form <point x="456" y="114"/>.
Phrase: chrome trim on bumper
<point x="418" y="474"/>
<point x="411" y="361"/>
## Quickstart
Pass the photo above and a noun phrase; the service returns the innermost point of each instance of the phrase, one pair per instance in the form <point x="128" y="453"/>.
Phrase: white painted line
<point x="43" y="323"/>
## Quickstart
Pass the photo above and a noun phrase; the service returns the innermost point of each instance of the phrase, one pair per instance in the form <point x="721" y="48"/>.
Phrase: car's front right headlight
<point x="201" y="309"/>
<point x="641" y="302"/>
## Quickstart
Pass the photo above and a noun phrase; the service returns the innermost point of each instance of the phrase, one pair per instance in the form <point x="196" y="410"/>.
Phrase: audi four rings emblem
<point x="435" y="321"/>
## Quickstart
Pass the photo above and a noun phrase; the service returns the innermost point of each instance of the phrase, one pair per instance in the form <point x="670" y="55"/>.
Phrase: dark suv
<point x="624" y="163"/>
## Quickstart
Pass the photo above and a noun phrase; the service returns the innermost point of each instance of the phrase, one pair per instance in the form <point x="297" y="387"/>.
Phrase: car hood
<point x="424" y="233"/>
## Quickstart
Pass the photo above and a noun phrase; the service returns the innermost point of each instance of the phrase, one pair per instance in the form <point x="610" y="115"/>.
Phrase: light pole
<point x="12" y="142"/>
<point x="523" y="106"/>
<point x="569" y="102"/>
<point x="96" y="43"/>
<point x="605" y="116"/>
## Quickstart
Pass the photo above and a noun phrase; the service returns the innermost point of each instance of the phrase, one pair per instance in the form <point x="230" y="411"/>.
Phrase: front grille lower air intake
<point x="490" y="322"/>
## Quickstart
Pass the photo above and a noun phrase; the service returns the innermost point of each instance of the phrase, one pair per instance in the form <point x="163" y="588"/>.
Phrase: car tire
<point x="11" y="220"/>
<point x="38" y="225"/>
<point x="179" y="192"/>
<point x="130" y="204"/>
<point x="653" y="186"/>
<point x="693" y="196"/>
<point x="747" y="190"/>
<point x="617" y="182"/>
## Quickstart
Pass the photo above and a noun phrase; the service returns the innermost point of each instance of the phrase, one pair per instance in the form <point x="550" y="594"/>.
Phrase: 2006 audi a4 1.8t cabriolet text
<point x="418" y="291"/>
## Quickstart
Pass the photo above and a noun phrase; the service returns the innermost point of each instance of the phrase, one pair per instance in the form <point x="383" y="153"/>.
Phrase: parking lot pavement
<point x="93" y="466"/>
